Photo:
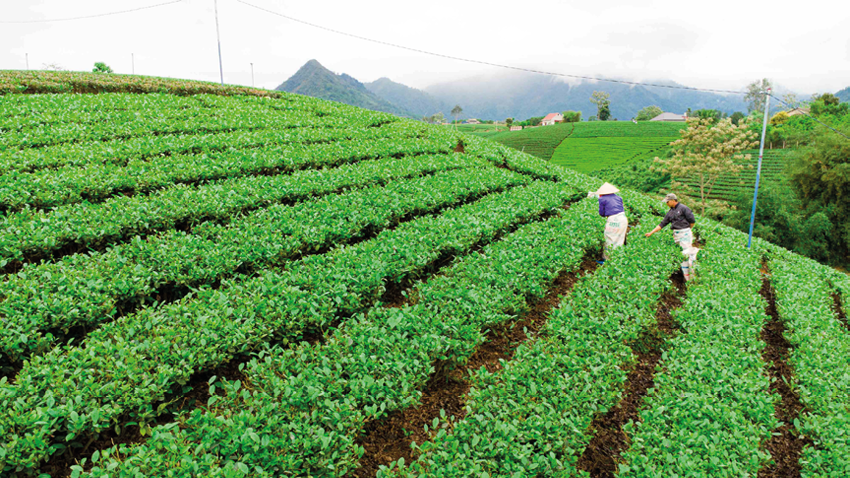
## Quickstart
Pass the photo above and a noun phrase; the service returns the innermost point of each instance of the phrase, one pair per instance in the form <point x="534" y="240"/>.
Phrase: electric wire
<point x="487" y="63"/>
<point x="88" y="16"/>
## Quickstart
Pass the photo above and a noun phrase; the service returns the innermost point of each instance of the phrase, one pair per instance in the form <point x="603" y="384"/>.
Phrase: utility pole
<point x="758" y="171"/>
<point x="27" y="56"/>
<point x="252" y="75"/>
<point x="218" y="38"/>
<point x="133" y="63"/>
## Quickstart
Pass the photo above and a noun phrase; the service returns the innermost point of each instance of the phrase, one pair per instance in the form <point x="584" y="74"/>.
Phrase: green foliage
<point x="571" y="116"/>
<point x="535" y="414"/>
<point x="603" y="146"/>
<point x="713" y="115"/>
<point x="540" y="142"/>
<point x="819" y="348"/>
<point x="782" y="219"/>
<point x="736" y="117"/>
<point x="101" y="67"/>
<point x="603" y="104"/>
<point x="648" y="113"/>
<point x="590" y="154"/>
<point x="42" y="82"/>
<point x="151" y="240"/>
<point x="604" y="113"/>
<point x="711" y="407"/>
<point x="821" y="175"/>
<point x="828" y="104"/>
<point x="779" y="118"/>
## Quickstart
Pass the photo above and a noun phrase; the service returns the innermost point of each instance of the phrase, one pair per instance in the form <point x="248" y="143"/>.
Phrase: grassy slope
<point x="540" y="141"/>
<point x="599" y="145"/>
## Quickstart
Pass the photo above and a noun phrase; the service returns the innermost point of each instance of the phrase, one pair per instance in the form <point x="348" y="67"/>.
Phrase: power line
<point x="487" y="63"/>
<point x="811" y="116"/>
<point x="89" y="16"/>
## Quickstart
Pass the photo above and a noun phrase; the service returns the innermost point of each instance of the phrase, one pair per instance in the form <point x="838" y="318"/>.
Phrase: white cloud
<point x="724" y="45"/>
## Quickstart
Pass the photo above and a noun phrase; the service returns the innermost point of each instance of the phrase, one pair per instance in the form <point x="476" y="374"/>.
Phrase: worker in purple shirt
<point x="611" y="207"/>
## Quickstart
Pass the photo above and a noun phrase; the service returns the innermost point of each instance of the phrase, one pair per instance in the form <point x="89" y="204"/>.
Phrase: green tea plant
<point x="127" y="366"/>
<point x="820" y="346"/>
<point x="534" y="415"/>
<point x="54" y="297"/>
<point x="446" y="321"/>
<point x="710" y="408"/>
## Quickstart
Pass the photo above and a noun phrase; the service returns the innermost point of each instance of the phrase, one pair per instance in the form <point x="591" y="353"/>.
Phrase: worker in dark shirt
<point x="617" y="224"/>
<point x="681" y="220"/>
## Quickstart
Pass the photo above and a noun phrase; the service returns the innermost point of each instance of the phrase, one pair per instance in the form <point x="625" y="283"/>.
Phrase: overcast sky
<point x="722" y="44"/>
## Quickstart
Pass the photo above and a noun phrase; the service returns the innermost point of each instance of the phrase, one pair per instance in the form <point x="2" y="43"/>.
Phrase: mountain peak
<point x="313" y="79"/>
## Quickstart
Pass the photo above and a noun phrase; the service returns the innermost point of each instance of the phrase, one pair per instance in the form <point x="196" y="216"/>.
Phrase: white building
<point x="552" y="118"/>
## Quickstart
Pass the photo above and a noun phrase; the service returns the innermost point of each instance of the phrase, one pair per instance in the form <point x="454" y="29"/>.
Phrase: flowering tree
<point x="705" y="153"/>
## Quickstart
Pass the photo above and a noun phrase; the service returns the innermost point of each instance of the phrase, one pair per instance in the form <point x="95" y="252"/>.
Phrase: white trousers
<point x="685" y="238"/>
<point x="615" y="232"/>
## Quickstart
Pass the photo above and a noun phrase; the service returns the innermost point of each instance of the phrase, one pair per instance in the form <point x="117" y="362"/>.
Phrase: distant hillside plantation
<point x="844" y="95"/>
<point x="409" y="99"/>
<point x="315" y="80"/>
<point x="523" y="96"/>
<point x="540" y="141"/>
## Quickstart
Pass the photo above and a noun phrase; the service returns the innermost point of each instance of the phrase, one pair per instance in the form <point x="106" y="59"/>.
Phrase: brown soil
<point x="839" y="310"/>
<point x="602" y="454"/>
<point x="786" y="444"/>
<point x="389" y="439"/>
<point x="459" y="148"/>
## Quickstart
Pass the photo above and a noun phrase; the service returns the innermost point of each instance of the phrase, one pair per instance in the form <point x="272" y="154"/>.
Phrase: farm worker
<point x="681" y="219"/>
<point x="611" y="207"/>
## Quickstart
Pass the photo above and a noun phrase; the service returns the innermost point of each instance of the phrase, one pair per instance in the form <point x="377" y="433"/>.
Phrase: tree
<point x="821" y="175"/>
<point x="52" y="66"/>
<point x="779" y="118"/>
<point x="713" y="115"/>
<point x="509" y="122"/>
<point x="705" y="153"/>
<point x="791" y="101"/>
<point x="648" y="113"/>
<point x="736" y="117"/>
<point x="571" y="116"/>
<point x="828" y="103"/>
<point x="755" y="94"/>
<point x="456" y="111"/>
<point x="604" y="113"/>
<point x="602" y="102"/>
<point x="101" y="67"/>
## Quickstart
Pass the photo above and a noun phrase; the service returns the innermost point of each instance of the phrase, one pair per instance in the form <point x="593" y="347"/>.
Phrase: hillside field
<point x="728" y="187"/>
<point x="540" y="141"/>
<point x="225" y="282"/>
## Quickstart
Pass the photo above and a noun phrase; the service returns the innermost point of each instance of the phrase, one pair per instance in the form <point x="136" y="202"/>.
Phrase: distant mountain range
<point x="417" y="102"/>
<point x="496" y="97"/>
<point x="315" y="80"/>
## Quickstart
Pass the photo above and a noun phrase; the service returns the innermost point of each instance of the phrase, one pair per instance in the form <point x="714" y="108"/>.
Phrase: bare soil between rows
<point x="838" y="307"/>
<point x="391" y="438"/>
<point x="603" y="453"/>
<point x="786" y="445"/>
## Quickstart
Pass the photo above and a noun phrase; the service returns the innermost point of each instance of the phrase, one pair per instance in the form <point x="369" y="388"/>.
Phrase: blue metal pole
<point x="218" y="39"/>
<point x="758" y="171"/>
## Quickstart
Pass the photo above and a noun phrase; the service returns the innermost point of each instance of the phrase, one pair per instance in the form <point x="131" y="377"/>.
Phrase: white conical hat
<point x="607" y="188"/>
